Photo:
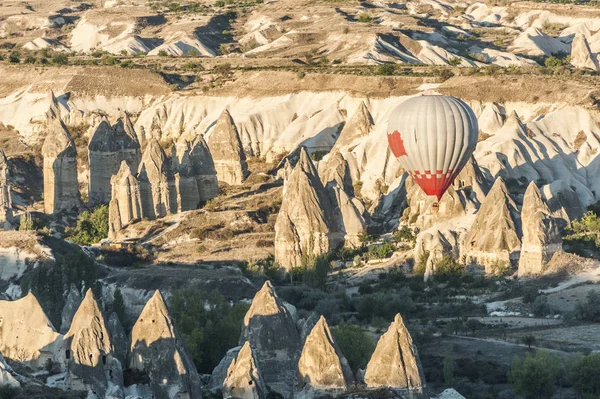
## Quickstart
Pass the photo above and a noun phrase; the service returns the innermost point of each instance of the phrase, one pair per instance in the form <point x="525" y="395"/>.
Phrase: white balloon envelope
<point x="433" y="137"/>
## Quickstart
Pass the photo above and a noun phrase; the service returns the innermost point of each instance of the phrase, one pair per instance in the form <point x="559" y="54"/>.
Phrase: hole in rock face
<point x="104" y="360"/>
<point x="68" y="354"/>
<point x="250" y="382"/>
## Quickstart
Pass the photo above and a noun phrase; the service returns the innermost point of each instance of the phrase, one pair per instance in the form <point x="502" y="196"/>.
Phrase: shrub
<point x="448" y="267"/>
<point x="364" y="18"/>
<point x="404" y="234"/>
<point x="8" y="392"/>
<point x="381" y="251"/>
<point x="385" y="70"/>
<point x="209" y="325"/>
<point x="455" y="61"/>
<point x="92" y="227"/>
<point x="14" y="57"/>
<point x="313" y="272"/>
<point x="163" y="53"/>
<point x="540" y="306"/>
<point x="60" y="59"/>
<point x="30" y="59"/>
<point x="354" y="343"/>
<point x="500" y="268"/>
<point x="535" y="376"/>
<point x="421" y="265"/>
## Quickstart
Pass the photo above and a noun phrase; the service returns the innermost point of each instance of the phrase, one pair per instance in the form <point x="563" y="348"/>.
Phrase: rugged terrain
<point x="160" y="162"/>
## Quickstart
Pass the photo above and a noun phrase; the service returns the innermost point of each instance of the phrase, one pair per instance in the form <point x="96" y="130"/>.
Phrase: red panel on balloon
<point x="396" y="144"/>
<point x="433" y="185"/>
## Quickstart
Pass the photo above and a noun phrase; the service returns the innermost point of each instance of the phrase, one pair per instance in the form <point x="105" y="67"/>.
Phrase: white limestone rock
<point x="244" y="380"/>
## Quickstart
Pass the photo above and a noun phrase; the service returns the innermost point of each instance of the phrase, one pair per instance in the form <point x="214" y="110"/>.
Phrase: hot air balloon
<point x="433" y="137"/>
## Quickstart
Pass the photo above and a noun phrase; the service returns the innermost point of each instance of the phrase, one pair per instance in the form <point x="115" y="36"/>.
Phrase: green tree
<point x="91" y="227"/>
<point x="354" y="343"/>
<point x="60" y="59"/>
<point x="209" y="325"/>
<point x="585" y="375"/>
<point x="534" y="376"/>
<point x="529" y="340"/>
<point x="385" y="69"/>
<point x="590" y="309"/>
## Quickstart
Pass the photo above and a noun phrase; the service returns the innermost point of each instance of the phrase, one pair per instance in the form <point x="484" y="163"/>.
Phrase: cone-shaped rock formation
<point x="157" y="349"/>
<point x="581" y="55"/>
<point x="227" y="152"/>
<point x="541" y="237"/>
<point x="244" y="380"/>
<point x="395" y="362"/>
<point x="157" y="183"/>
<point x="322" y="365"/>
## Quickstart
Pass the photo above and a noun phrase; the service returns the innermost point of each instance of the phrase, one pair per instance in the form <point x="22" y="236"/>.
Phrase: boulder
<point x="108" y="148"/>
<point x="244" y="380"/>
<point x="494" y="234"/>
<point x="157" y="349"/>
<point x="227" y="152"/>
<point x="541" y="236"/>
<point x="61" y="188"/>
<point x="395" y="362"/>
<point x="491" y="119"/>
<point x="157" y="183"/>
<point x="26" y="333"/>
<point x="306" y="224"/>
<point x="322" y="366"/>
<point x="89" y="351"/>
<point x="581" y="55"/>
<point x="270" y="329"/>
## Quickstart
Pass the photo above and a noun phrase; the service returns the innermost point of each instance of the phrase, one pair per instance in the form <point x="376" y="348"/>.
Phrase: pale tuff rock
<point x="126" y="204"/>
<point x="188" y="196"/>
<point x="449" y="393"/>
<point x="306" y="325"/>
<point x="61" y="189"/>
<point x="322" y="365"/>
<point x="270" y="329"/>
<point x="157" y="183"/>
<point x="7" y="375"/>
<point x="72" y="303"/>
<point x="6" y="213"/>
<point x="227" y="152"/>
<point x="494" y="236"/>
<point x="358" y="126"/>
<point x="220" y="372"/>
<point x="395" y="362"/>
<point x="491" y="119"/>
<point x="472" y="182"/>
<point x="108" y="148"/>
<point x="244" y="380"/>
<point x="204" y="169"/>
<point x="351" y="211"/>
<point x="435" y="245"/>
<point x="581" y="55"/>
<point x="422" y="211"/>
<point x="115" y="225"/>
<point x="336" y="171"/>
<point x="195" y="174"/>
<point x="306" y="224"/>
<point x="563" y="202"/>
<point x="157" y="349"/>
<point x="541" y="237"/>
<point x="89" y="350"/>
<point x="26" y="333"/>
